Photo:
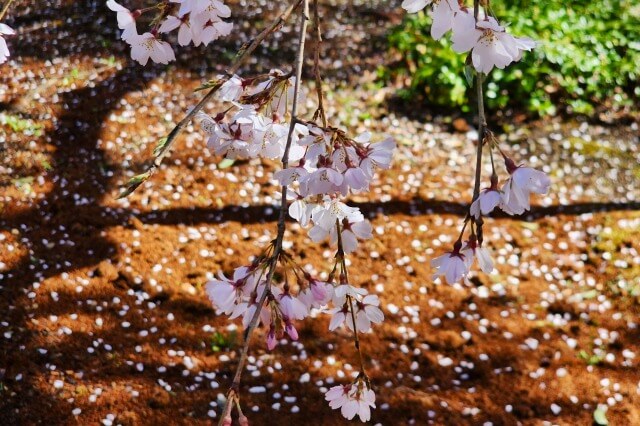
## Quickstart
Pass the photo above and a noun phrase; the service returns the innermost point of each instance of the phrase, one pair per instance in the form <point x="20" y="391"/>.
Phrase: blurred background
<point x="103" y="318"/>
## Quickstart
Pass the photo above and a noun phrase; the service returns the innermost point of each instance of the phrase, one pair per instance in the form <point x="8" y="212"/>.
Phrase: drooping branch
<point x="245" y="53"/>
<point x="233" y="394"/>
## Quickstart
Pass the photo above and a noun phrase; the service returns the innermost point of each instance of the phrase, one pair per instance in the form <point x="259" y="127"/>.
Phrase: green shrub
<point x="589" y="55"/>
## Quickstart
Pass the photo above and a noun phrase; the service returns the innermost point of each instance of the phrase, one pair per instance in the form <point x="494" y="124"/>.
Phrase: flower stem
<point x="235" y="385"/>
<point x="345" y="272"/>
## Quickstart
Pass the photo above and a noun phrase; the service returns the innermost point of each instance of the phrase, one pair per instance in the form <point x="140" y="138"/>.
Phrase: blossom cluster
<point x="489" y="43"/>
<point x="513" y="199"/>
<point x="284" y="305"/>
<point x="325" y="162"/>
<point x="5" y="30"/>
<point x="197" y="21"/>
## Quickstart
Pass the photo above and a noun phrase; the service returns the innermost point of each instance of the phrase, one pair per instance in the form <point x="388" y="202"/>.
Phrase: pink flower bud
<point x="227" y="421"/>
<point x="271" y="340"/>
<point x="291" y="331"/>
<point x="243" y="420"/>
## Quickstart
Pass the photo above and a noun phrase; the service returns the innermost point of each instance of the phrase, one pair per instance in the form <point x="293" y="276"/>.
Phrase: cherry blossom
<point x="472" y="250"/>
<point x="206" y="30"/>
<point x="452" y="265"/>
<point x="350" y="233"/>
<point x="367" y="312"/>
<point x="185" y="33"/>
<point x="517" y="189"/>
<point x="443" y="13"/>
<point x="488" y="41"/>
<point x="488" y="200"/>
<point x="225" y="293"/>
<point x="4" y="49"/>
<point x="413" y="6"/>
<point x="147" y="46"/>
<point x="126" y="19"/>
<point x="232" y="89"/>
<point x="353" y="399"/>
<point x="291" y="307"/>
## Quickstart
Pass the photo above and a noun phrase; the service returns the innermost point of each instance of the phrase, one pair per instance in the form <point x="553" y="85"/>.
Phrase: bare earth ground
<point x="103" y="317"/>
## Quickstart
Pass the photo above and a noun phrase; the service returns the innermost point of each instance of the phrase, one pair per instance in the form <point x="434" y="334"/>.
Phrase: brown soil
<point x="101" y="300"/>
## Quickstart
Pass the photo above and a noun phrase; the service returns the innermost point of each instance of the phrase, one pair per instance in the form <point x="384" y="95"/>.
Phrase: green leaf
<point x="208" y="85"/>
<point x="226" y="163"/>
<point x="134" y="183"/>
<point x="469" y="73"/>
<point x="600" y="416"/>
<point x="160" y="147"/>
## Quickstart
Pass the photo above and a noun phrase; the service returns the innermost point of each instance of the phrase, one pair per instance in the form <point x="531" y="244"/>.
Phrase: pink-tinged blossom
<point x="126" y="19"/>
<point x="224" y="293"/>
<point x="413" y="6"/>
<point x="472" y="250"/>
<point x="147" y="46"/>
<point x="317" y="294"/>
<point x="300" y="209"/>
<point x="518" y="188"/>
<point x="367" y="312"/>
<point x="489" y="43"/>
<point x="289" y="175"/>
<point x="443" y="13"/>
<point x="291" y="307"/>
<point x="354" y="399"/>
<point x="185" y="34"/>
<point x="326" y="215"/>
<point x="4" y="49"/>
<point x="341" y="292"/>
<point x="378" y="156"/>
<point x="212" y="9"/>
<point x="232" y="89"/>
<point x="451" y="265"/>
<point x="486" y="202"/>
<point x="205" y="30"/>
<point x="338" y="317"/>
<point x="351" y="232"/>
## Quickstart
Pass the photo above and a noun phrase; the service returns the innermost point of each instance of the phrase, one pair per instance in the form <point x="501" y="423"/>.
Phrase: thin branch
<point x="316" y="66"/>
<point x="482" y="125"/>
<point x="235" y="385"/>
<point x="244" y="53"/>
<point x="5" y="8"/>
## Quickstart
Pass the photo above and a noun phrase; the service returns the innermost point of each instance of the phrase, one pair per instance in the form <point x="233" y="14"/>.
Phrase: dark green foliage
<point x="589" y="55"/>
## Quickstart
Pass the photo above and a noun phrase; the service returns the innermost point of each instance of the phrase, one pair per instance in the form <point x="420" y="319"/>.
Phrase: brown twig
<point x="5" y="8"/>
<point x="235" y="385"/>
<point x="316" y="66"/>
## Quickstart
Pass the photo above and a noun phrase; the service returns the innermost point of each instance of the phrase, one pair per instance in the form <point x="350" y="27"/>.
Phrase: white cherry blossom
<point x="4" y="49"/>
<point x="126" y="19"/>
<point x="488" y="200"/>
<point x="451" y="265"/>
<point x="148" y="46"/>
<point x="443" y="13"/>
<point x="354" y="399"/>
<point x="413" y="6"/>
